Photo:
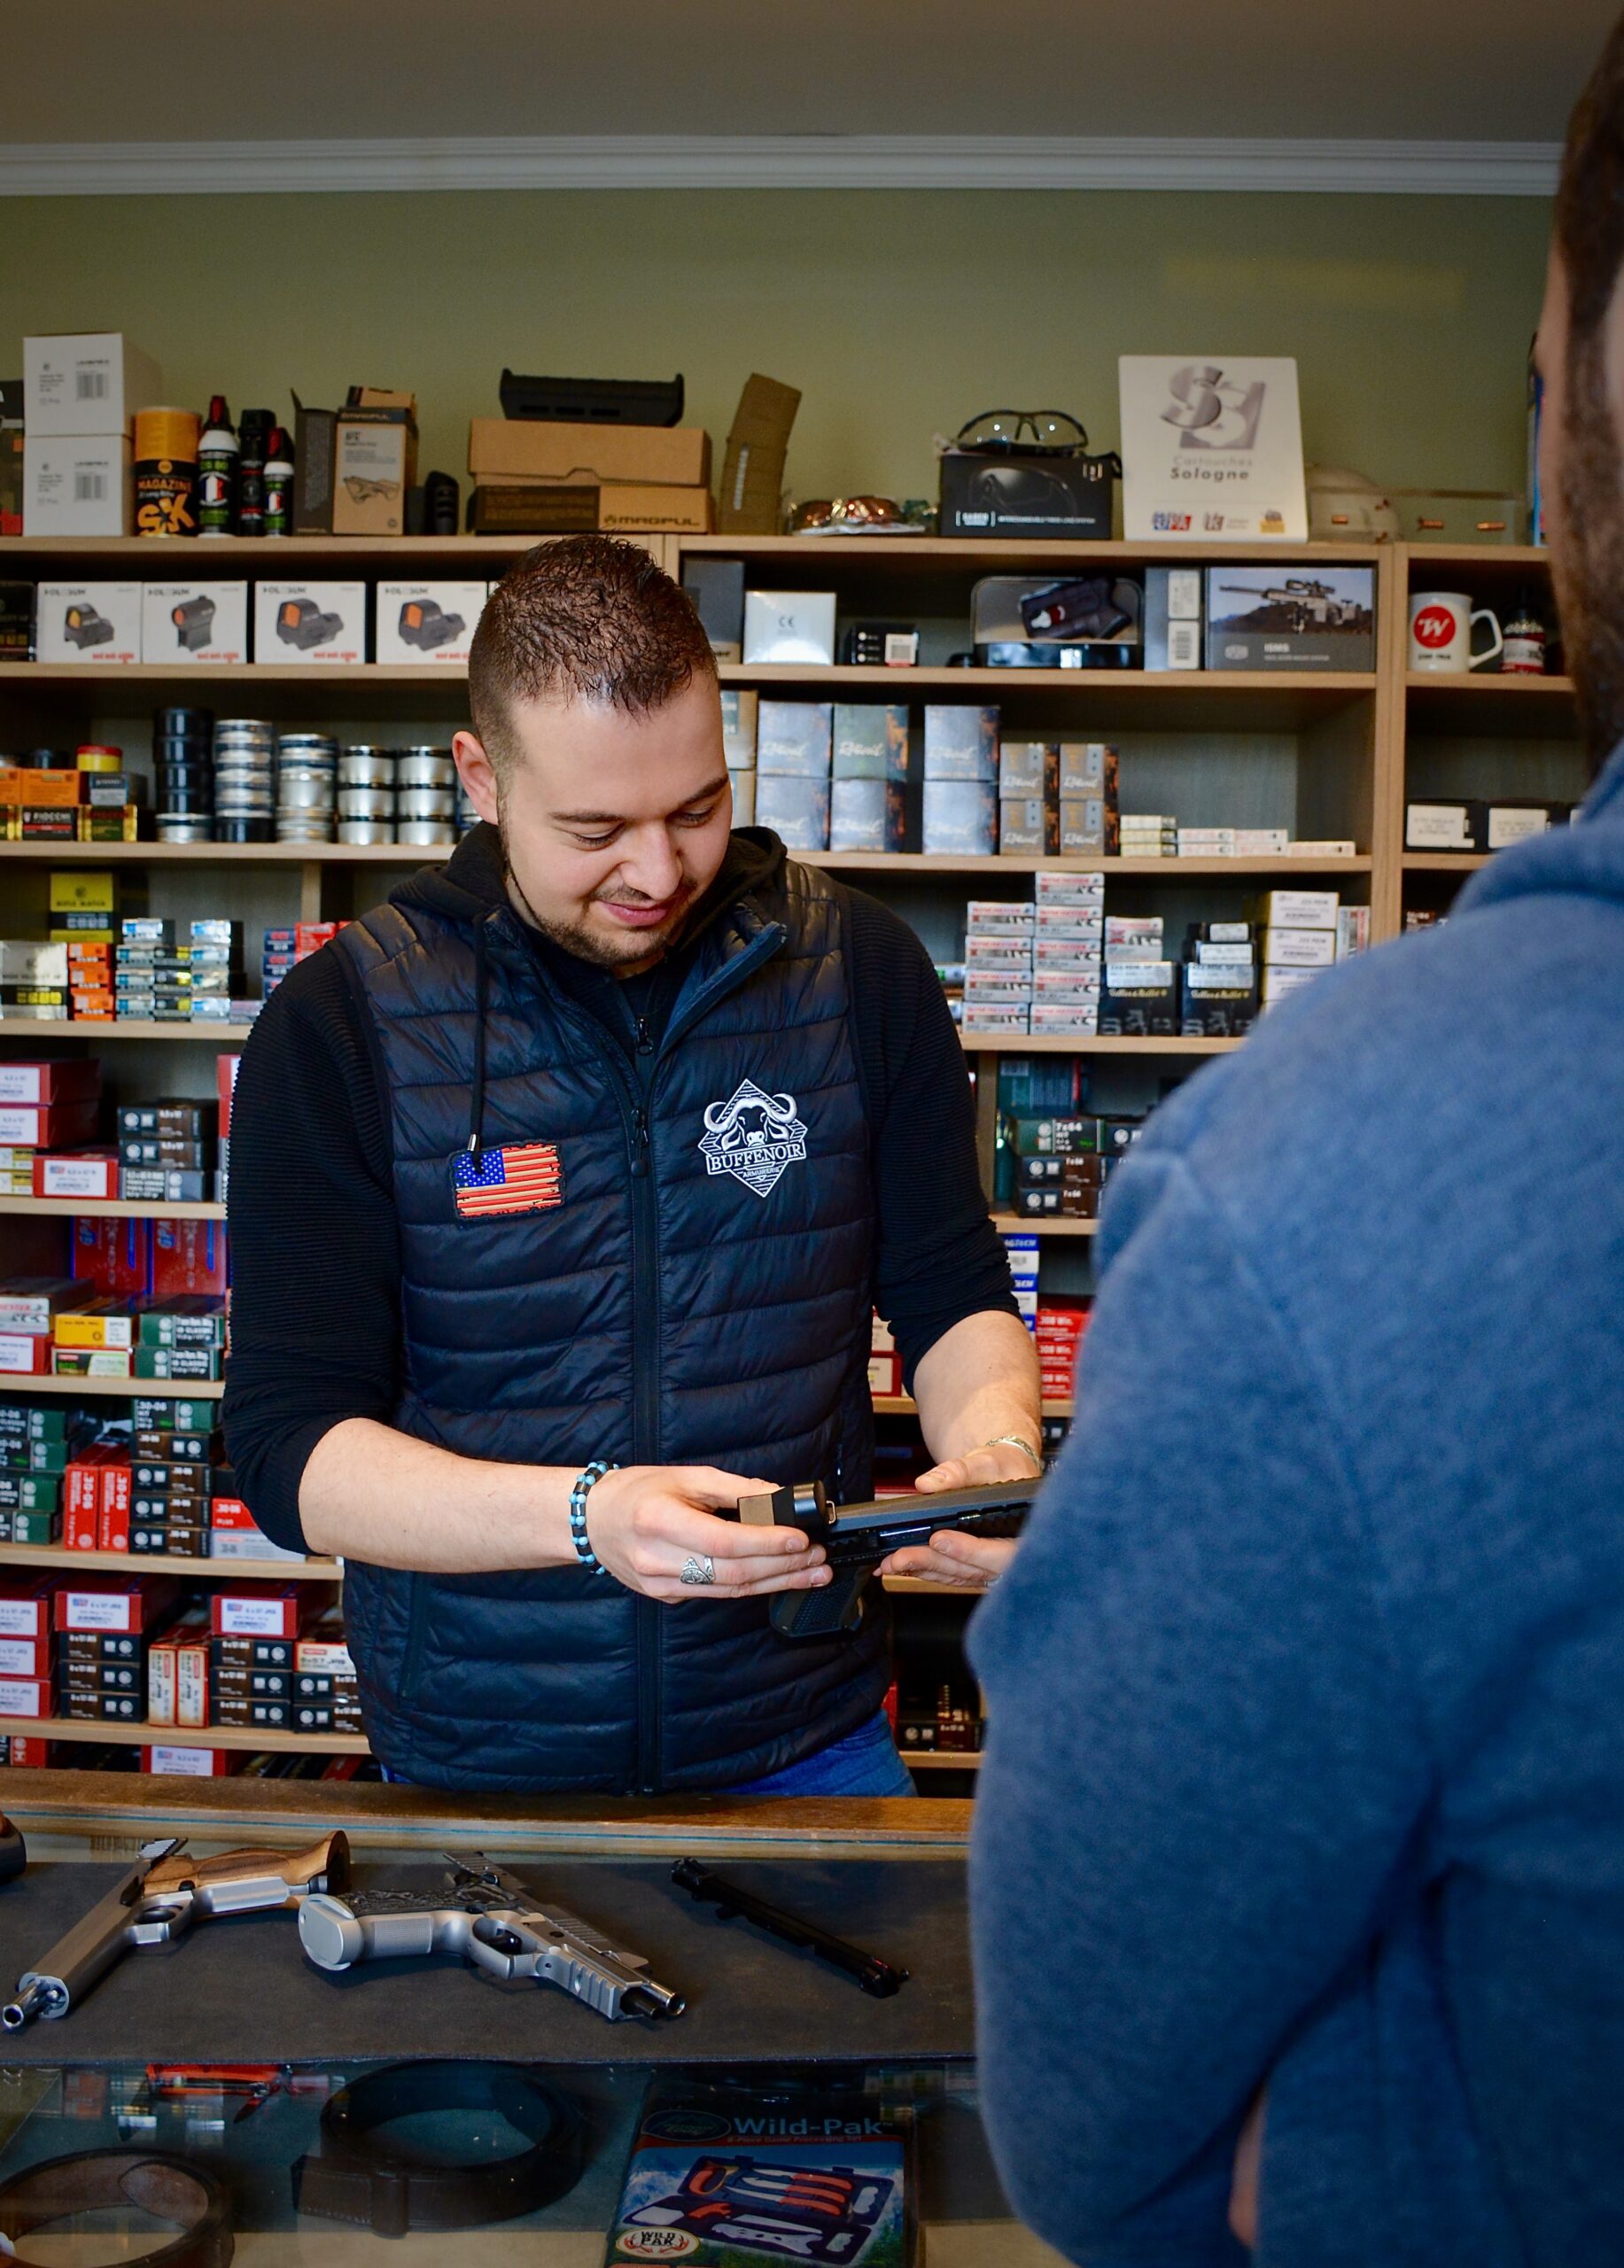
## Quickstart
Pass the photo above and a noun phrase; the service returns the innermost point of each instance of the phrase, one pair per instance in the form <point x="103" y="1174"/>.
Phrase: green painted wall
<point x="898" y="315"/>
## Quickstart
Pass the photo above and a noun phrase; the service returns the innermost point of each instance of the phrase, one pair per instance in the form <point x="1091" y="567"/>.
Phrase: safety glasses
<point x="1047" y="432"/>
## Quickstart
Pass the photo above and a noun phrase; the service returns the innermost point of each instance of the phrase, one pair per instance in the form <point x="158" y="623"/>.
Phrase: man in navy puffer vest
<point x="563" y="1188"/>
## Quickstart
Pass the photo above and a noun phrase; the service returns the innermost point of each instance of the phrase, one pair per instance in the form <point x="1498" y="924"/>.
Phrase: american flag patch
<point x="525" y="1179"/>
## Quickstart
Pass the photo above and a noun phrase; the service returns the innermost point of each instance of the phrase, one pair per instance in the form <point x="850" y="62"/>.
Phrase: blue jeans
<point x="866" y="1763"/>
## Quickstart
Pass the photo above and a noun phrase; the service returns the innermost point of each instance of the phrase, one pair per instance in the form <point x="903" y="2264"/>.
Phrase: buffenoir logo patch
<point x="753" y="1136"/>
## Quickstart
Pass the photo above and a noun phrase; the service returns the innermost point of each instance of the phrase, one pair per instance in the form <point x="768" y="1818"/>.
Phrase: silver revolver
<point x="492" y="1921"/>
<point x="158" y="1901"/>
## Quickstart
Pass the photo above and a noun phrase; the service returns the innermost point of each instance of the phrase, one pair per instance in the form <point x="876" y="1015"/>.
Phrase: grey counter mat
<point x="241" y="1991"/>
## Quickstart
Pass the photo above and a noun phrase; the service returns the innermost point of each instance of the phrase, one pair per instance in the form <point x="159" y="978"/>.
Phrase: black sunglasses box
<point x="1059" y="497"/>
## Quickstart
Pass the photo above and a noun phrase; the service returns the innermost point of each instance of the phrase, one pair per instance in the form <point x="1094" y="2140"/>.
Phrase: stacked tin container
<point x="245" y="780"/>
<point x="306" y="770"/>
<point x="183" y="764"/>
<point x="425" y="797"/>
<point x="366" y="795"/>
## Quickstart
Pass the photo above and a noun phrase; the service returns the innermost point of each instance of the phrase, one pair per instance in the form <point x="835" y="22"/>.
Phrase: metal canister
<point x="366" y="803"/>
<point x="425" y="767"/>
<point x="305" y="793"/>
<point x="367" y="767"/>
<point x="426" y="803"/>
<point x="229" y="828"/>
<point x="179" y="827"/>
<point x="304" y="830"/>
<point x="365" y="832"/>
<point x="422" y="833"/>
<point x="166" y="471"/>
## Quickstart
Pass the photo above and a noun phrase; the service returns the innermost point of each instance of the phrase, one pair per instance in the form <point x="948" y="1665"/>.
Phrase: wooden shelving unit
<point x="107" y="1208"/>
<point x="12" y="1382"/>
<point x="125" y="1563"/>
<point x="1344" y="748"/>
<point x="139" y="1736"/>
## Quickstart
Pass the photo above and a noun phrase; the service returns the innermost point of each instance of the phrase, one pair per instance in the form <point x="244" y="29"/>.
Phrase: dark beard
<point x="581" y="942"/>
<point x="1588" y="570"/>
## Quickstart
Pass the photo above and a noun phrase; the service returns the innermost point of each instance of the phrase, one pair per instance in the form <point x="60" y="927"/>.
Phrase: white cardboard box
<point x="183" y="623"/>
<point x="789" y="626"/>
<point x="1298" y="948"/>
<point x="85" y="382"/>
<point x="76" y="486"/>
<point x="310" y="622"/>
<point x="416" y="621"/>
<point x="89" y="622"/>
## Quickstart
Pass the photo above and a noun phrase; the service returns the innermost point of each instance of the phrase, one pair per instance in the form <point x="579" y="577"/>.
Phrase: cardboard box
<point x="191" y="1763"/>
<point x="85" y="382"/>
<point x="1029" y="825"/>
<point x="1281" y="948"/>
<point x="77" y="487"/>
<point x="89" y="622"/>
<point x="647" y="507"/>
<point x="960" y="818"/>
<point x="795" y="807"/>
<point x="313" y="470"/>
<point x="867" y="814"/>
<point x="961" y="742"/>
<point x="183" y="623"/>
<point x="1068" y="498"/>
<point x="739" y="724"/>
<point x="1029" y="768"/>
<point x="91" y="1174"/>
<point x="1172" y="621"/>
<point x="189" y="1257"/>
<point x="789" y="626"/>
<point x="794" y="737"/>
<point x="267" y="1611"/>
<point x="587" y="455"/>
<point x="310" y="622"/>
<point x="16" y="602"/>
<point x="375" y="462"/>
<point x="1296" y="909"/>
<point x="753" y="469"/>
<point x="871" y="740"/>
<point x="427" y="622"/>
<point x="716" y="588"/>
<point x="1278" y="617"/>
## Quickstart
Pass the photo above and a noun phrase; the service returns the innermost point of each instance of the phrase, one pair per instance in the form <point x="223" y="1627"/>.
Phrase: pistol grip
<point x="836" y="1605"/>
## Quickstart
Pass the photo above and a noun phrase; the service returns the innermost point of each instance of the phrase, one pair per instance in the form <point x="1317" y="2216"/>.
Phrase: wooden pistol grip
<point x="330" y="1857"/>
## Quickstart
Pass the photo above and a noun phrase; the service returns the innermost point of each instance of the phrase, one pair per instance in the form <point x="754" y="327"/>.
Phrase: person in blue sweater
<point x="1298" y="1873"/>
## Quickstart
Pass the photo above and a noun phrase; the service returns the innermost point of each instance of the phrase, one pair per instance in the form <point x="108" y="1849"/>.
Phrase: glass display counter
<point x="501" y="2032"/>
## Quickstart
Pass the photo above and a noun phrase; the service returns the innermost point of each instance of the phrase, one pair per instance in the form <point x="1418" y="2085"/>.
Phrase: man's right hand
<point x="644" y="1521"/>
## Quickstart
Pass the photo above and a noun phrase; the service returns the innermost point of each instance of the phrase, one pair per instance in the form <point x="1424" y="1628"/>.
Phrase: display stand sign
<point x="1211" y="448"/>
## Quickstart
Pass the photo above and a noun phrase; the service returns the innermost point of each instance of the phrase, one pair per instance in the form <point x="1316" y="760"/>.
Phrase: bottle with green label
<point x="217" y="453"/>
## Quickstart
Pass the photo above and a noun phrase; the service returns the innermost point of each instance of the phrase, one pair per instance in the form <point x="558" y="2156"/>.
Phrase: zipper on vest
<point x="645" y="1038"/>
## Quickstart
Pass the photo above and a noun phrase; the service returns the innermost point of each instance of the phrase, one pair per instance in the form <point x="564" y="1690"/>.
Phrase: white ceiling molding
<point x="780" y="161"/>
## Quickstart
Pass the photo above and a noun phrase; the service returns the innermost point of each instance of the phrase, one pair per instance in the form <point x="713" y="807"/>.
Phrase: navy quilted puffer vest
<point x="701" y="1295"/>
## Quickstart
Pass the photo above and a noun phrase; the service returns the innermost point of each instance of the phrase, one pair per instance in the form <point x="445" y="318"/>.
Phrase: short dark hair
<point x="591" y="618"/>
<point x="1589" y="211"/>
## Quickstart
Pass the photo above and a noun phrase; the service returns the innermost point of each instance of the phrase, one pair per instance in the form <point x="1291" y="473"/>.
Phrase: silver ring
<point x="697" y="1570"/>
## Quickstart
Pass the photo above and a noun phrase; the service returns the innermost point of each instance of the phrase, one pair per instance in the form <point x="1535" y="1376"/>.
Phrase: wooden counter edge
<point x="111" y="1812"/>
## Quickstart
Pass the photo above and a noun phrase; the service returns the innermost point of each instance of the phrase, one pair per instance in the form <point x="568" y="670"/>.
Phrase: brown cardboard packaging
<point x="553" y="508"/>
<point x="531" y="448"/>
<point x="757" y="444"/>
<point x="374" y="461"/>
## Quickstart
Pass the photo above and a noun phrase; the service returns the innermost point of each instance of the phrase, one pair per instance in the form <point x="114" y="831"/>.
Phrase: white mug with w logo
<point x="1440" y="627"/>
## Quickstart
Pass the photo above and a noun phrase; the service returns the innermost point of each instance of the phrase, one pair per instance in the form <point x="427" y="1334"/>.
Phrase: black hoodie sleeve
<point x="315" y="1263"/>
<point x="939" y="1258"/>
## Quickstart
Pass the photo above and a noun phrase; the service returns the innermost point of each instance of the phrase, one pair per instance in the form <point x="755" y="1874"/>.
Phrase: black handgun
<point x="855" y="1537"/>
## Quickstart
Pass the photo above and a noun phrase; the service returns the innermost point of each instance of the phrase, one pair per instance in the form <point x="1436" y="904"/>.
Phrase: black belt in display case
<point x="151" y="2181"/>
<point x="364" y="2176"/>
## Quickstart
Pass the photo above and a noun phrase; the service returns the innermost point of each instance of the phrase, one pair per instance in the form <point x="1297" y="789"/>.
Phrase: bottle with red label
<point x="1524" y="636"/>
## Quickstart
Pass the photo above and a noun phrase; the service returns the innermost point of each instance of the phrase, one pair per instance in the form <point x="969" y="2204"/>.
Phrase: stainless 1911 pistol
<point x="492" y="1921"/>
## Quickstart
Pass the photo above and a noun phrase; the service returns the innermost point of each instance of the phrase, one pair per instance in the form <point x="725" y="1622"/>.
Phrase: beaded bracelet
<point x="579" y="1494"/>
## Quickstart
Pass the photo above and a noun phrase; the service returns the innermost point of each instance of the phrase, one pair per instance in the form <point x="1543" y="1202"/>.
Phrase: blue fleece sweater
<point x="1306" y="1763"/>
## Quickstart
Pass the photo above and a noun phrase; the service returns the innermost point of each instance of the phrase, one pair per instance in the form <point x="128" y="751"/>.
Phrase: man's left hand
<point x="973" y="1562"/>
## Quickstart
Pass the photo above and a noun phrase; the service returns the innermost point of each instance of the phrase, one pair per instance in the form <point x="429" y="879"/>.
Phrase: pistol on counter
<point x="855" y="1537"/>
<point x="158" y="1901"/>
<point x="487" y="1918"/>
